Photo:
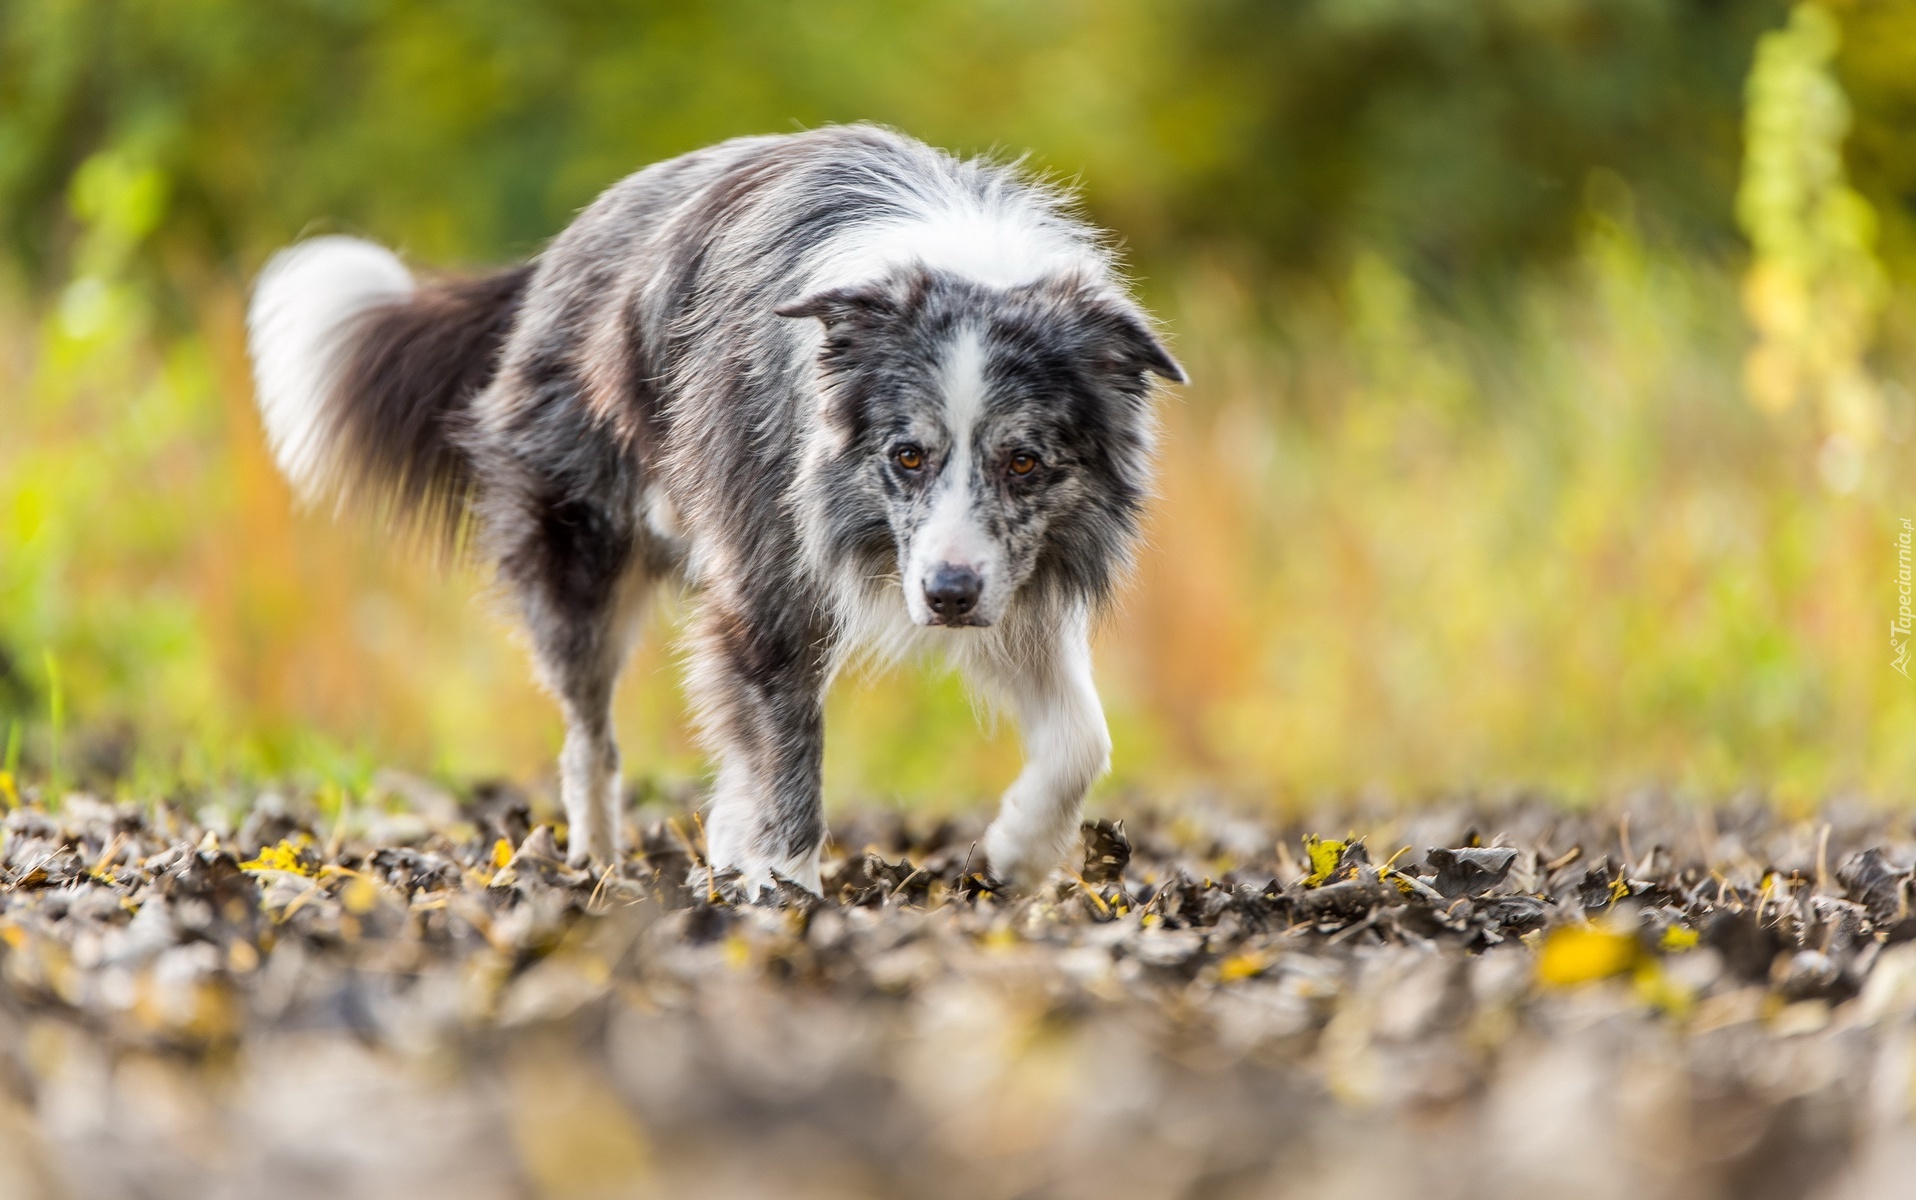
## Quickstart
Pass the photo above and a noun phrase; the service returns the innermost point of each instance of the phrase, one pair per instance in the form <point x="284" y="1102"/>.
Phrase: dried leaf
<point x="1469" y="872"/>
<point x="1106" y="851"/>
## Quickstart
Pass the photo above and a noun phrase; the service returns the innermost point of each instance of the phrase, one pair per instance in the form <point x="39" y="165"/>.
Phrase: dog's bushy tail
<point x="363" y="376"/>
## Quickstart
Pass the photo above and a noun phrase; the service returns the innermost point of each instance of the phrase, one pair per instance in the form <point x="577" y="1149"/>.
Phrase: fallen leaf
<point x="1576" y="954"/>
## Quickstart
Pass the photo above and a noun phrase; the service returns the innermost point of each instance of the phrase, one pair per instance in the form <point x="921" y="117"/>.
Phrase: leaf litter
<point x="420" y="998"/>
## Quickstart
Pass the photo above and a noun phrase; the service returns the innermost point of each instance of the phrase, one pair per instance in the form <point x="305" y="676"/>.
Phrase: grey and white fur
<point x="863" y="396"/>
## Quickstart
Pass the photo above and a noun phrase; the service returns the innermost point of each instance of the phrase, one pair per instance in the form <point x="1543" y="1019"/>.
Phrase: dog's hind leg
<point x="1049" y="691"/>
<point x="581" y="585"/>
<point x="757" y="681"/>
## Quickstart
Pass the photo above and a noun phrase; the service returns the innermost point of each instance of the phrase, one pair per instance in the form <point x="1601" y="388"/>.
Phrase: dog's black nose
<point x="952" y="592"/>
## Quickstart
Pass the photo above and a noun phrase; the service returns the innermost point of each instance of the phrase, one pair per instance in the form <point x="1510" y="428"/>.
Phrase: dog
<point x="862" y="396"/>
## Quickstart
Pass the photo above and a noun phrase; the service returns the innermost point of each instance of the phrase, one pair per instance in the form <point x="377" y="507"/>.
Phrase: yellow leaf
<point x="1241" y="966"/>
<point x="1658" y="990"/>
<point x="1323" y="854"/>
<point x="360" y="895"/>
<point x="283" y="857"/>
<point x="1678" y="938"/>
<point x="1001" y="938"/>
<point x="501" y="853"/>
<point x="1575" y="954"/>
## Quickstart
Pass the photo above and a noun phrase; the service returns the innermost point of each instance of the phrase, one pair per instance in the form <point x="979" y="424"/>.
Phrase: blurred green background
<point x="1551" y="422"/>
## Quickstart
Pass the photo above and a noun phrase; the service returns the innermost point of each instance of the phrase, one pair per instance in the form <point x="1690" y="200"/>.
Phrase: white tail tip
<point x="296" y="333"/>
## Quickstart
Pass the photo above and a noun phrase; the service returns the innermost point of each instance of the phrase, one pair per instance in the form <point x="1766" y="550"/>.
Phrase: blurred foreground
<point x="418" y="1001"/>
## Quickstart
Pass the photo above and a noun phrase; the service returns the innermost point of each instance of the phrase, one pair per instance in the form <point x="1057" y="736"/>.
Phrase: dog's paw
<point x="595" y="854"/>
<point x="759" y="877"/>
<point x="1021" y="859"/>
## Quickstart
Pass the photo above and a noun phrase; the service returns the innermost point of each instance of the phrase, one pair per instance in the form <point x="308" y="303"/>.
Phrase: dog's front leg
<point x="757" y="683"/>
<point x="1066" y="746"/>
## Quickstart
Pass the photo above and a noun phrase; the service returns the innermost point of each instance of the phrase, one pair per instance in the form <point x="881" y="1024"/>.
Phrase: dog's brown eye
<point x="1023" y="464"/>
<point x="909" y="457"/>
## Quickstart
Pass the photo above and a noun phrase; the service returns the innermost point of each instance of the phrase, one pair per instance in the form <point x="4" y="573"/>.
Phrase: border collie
<point x="863" y="396"/>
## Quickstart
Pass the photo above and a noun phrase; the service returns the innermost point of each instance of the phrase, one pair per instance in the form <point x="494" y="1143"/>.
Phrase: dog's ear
<point x="1150" y="354"/>
<point x="864" y="304"/>
<point x="1124" y="343"/>
<point x="852" y="317"/>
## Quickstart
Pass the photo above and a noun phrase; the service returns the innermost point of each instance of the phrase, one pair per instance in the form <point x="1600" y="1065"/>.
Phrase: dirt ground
<point x="415" y="998"/>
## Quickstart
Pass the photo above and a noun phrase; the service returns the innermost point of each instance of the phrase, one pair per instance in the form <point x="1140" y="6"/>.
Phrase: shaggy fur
<point x="861" y="395"/>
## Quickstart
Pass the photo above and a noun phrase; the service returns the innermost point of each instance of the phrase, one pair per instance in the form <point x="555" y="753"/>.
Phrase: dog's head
<point x="982" y="439"/>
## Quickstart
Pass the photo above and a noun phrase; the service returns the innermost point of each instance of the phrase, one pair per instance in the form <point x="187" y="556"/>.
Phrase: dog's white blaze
<point x="304" y="299"/>
<point x="962" y="382"/>
<point x="951" y="533"/>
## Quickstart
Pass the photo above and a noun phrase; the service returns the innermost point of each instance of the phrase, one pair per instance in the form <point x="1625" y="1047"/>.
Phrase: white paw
<point x="758" y="872"/>
<point x="1023" y="857"/>
<point x="594" y="848"/>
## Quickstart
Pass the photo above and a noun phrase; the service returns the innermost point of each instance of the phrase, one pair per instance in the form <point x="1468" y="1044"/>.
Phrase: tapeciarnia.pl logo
<point x="1899" y="628"/>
